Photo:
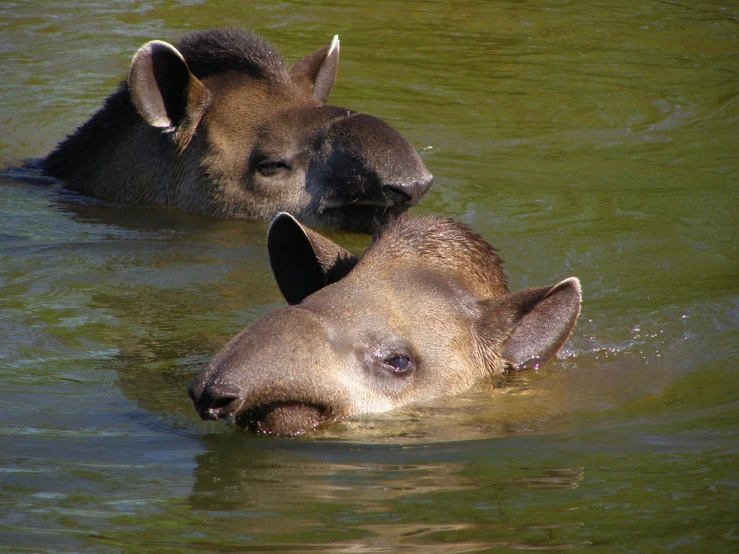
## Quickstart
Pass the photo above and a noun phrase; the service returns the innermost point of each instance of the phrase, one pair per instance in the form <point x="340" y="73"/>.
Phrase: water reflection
<point x="597" y="142"/>
<point x="380" y="498"/>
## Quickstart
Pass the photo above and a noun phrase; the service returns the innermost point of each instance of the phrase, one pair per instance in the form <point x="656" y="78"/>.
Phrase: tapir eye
<point x="271" y="167"/>
<point x="400" y="363"/>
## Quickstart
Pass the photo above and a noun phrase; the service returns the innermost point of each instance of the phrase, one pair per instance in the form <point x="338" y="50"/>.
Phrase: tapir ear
<point x="538" y="321"/>
<point x="165" y="93"/>
<point x="302" y="260"/>
<point x="317" y="71"/>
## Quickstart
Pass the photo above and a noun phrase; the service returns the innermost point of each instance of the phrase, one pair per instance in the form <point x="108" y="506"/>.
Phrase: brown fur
<point x="425" y="313"/>
<point x="442" y="244"/>
<point x="242" y="105"/>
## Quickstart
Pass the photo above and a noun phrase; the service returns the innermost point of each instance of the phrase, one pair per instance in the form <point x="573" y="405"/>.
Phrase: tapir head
<point x="263" y="137"/>
<point x="425" y="313"/>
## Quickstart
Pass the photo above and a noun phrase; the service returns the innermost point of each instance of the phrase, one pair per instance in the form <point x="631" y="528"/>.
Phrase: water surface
<point x="595" y="140"/>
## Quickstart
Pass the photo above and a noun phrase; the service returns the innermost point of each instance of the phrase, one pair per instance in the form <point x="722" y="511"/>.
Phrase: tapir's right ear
<point x="317" y="71"/>
<point x="165" y="93"/>
<point x="302" y="260"/>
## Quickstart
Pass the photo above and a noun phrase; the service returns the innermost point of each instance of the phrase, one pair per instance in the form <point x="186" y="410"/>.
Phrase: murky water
<point x="596" y="140"/>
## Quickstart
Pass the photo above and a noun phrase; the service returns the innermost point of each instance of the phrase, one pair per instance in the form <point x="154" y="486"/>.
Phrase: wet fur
<point x="428" y="291"/>
<point x="207" y="163"/>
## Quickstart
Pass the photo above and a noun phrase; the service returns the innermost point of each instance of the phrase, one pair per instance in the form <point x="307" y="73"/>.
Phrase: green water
<point x="598" y="140"/>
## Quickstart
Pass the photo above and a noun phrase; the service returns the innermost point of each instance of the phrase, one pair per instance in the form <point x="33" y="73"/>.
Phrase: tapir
<point x="218" y="124"/>
<point x="425" y="313"/>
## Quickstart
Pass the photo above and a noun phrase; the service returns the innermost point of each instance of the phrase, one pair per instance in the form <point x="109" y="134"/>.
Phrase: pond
<point x="597" y="140"/>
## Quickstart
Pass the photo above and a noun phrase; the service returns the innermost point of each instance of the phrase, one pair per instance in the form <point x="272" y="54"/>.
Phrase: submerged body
<point x="218" y="124"/>
<point x="425" y="313"/>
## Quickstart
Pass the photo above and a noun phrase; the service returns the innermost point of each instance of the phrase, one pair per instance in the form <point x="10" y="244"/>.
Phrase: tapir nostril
<point x="216" y="408"/>
<point x="407" y="194"/>
<point x="213" y="401"/>
<point x="216" y="404"/>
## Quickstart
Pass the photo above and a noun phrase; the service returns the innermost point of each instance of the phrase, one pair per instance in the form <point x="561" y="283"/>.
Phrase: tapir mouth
<point x="363" y="204"/>
<point x="392" y="197"/>
<point x="283" y="418"/>
<point x="359" y="217"/>
<point x="277" y="418"/>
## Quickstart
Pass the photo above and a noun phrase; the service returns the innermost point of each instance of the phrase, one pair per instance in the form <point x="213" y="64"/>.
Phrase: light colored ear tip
<point x="573" y="282"/>
<point x="153" y="43"/>
<point x="149" y="47"/>
<point x="333" y="45"/>
<point x="146" y="47"/>
<point x="279" y="216"/>
<point x="147" y="50"/>
<point x="283" y="217"/>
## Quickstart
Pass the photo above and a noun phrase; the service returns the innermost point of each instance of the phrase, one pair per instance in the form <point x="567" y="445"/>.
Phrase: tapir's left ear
<point x="535" y="322"/>
<point x="165" y="93"/>
<point x="302" y="260"/>
<point x="317" y="71"/>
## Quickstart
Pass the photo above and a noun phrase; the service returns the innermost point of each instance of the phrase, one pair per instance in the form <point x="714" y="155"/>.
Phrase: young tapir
<point x="218" y="124"/>
<point x="426" y="312"/>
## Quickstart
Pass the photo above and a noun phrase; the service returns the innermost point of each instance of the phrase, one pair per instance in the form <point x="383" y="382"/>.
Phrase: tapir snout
<point x="381" y="157"/>
<point x="261" y="402"/>
<point x="361" y="166"/>
<point x="425" y="313"/>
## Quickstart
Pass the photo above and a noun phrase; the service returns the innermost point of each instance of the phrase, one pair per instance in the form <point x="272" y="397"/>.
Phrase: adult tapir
<point x="218" y="124"/>
<point x="425" y="313"/>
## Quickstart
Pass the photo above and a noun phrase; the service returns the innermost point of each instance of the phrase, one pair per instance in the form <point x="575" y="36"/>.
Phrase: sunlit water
<point x="591" y="140"/>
